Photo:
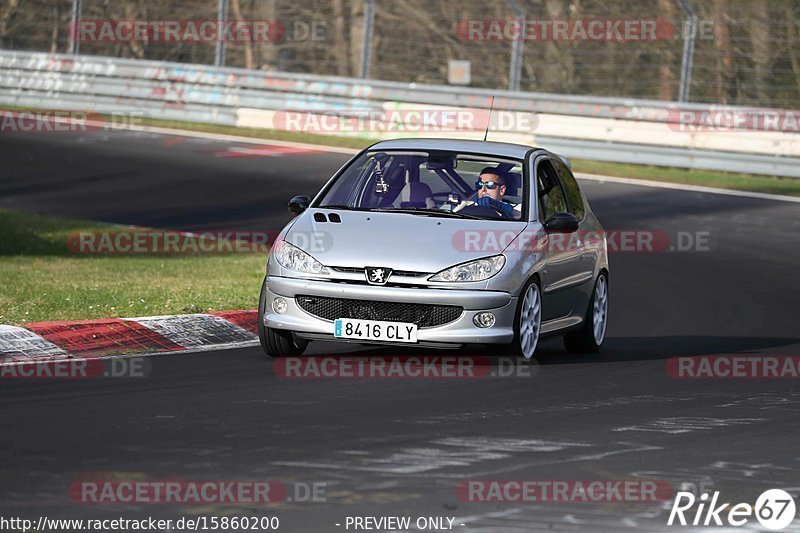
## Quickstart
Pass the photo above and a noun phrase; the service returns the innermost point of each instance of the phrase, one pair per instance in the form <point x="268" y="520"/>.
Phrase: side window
<point x="551" y="197"/>
<point x="571" y="189"/>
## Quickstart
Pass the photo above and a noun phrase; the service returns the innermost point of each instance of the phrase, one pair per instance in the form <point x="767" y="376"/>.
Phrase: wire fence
<point x="732" y="52"/>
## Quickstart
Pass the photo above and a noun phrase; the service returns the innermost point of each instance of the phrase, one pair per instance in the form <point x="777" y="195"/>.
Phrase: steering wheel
<point x="500" y="213"/>
<point x="478" y="210"/>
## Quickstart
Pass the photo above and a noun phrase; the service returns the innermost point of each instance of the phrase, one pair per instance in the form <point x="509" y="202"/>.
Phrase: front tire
<point x="276" y="342"/>
<point x="589" y="339"/>
<point x="528" y="324"/>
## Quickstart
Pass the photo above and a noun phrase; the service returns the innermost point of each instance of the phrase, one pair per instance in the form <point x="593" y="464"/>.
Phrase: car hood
<point x="400" y="241"/>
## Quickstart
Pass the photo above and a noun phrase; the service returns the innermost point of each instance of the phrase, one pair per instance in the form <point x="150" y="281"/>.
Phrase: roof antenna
<point x="489" y="122"/>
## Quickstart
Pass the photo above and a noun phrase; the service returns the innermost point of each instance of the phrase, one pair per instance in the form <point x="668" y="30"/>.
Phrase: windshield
<point x="432" y="184"/>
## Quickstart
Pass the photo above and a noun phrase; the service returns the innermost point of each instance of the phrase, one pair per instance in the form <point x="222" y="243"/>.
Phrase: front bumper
<point x="460" y="331"/>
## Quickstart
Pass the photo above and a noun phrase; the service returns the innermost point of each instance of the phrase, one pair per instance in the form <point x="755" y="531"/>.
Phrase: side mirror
<point x="562" y="223"/>
<point x="298" y="204"/>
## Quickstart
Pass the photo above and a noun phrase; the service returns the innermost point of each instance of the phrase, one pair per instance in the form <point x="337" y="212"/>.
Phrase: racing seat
<point x="513" y="186"/>
<point x="416" y="194"/>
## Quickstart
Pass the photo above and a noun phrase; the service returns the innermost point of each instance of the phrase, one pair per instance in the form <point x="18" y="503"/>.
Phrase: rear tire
<point x="276" y="342"/>
<point x="589" y="339"/>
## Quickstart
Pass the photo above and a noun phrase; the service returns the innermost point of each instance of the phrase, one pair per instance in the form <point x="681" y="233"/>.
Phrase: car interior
<point x="435" y="181"/>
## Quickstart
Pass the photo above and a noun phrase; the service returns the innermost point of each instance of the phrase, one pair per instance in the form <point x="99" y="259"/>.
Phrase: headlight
<point x="477" y="270"/>
<point x="290" y="256"/>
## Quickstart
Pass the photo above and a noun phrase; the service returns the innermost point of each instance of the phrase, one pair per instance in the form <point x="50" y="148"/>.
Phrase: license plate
<point x="374" y="330"/>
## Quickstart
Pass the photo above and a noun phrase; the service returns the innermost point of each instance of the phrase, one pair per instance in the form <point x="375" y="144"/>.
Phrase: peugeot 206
<point x="440" y="243"/>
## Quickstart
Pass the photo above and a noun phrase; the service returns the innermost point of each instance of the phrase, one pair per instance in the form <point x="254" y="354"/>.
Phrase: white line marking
<point x="689" y="188"/>
<point x="678" y="425"/>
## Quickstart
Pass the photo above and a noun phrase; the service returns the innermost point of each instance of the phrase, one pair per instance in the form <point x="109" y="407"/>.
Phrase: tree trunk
<point x="54" y="32"/>
<point x="558" y="67"/>
<point x="793" y="34"/>
<point x="340" y="38"/>
<point x="666" y="70"/>
<point x="236" y="7"/>
<point x="5" y="15"/>
<point x="723" y="87"/>
<point x="267" y="51"/>
<point x="760" y="37"/>
<point x="356" y="35"/>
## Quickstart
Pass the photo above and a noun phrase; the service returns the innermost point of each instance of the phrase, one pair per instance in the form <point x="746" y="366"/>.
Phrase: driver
<point x="491" y="188"/>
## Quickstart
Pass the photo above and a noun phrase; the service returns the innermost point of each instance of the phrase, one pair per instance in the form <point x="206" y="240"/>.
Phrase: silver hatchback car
<point x="440" y="243"/>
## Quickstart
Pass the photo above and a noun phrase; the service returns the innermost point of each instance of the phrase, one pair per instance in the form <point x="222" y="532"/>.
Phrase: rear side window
<point x="571" y="189"/>
<point x="551" y="197"/>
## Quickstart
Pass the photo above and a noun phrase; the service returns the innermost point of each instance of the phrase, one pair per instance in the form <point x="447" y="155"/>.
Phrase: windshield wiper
<point x="428" y="211"/>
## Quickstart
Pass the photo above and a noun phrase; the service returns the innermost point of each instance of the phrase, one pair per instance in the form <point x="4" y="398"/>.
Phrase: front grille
<point x="423" y="315"/>
<point x="409" y="273"/>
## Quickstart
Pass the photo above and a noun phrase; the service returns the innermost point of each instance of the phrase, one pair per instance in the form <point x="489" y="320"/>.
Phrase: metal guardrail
<point x="200" y="93"/>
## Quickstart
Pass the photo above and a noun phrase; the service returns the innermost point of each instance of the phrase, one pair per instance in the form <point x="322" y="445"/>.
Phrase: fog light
<point x="279" y="305"/>
<point x="484" y="320"/>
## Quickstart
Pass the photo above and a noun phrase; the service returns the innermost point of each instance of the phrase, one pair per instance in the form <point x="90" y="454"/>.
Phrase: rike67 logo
<point x="774" y="510"/>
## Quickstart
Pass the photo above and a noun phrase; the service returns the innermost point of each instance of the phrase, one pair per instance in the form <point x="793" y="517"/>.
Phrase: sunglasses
<point x="489" y="185"/>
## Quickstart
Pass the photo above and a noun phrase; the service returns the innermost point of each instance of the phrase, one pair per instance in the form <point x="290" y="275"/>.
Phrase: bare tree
<point x="340" y="40"/>
<point x="793" y="34"/>
<point x="267" y="51"/>
<point x="669" y="57"/>
<point x="236" y="7"/>
<point x="760" y="39"/>
<point x="6" y="14"/>
<point x="724" y="75"/>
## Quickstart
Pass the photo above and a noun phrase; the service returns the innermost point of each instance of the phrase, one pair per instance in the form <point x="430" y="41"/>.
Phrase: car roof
<point x="513" y="151"/>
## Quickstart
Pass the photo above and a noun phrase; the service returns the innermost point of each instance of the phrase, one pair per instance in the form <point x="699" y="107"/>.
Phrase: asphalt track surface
<point x="399" y="447"/>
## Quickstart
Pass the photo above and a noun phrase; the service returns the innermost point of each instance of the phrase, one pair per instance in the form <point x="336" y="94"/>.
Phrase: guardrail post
<point x="515" y="66"/>
<point x="366" y="43"/>
<point x="74" y="42"/>
<point x="687" y="62"/>
<point x="222" y="19"/>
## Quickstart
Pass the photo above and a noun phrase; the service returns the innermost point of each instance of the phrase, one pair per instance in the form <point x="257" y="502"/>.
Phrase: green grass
<point x="708" y="178"/>
<point x="41" y="279"/>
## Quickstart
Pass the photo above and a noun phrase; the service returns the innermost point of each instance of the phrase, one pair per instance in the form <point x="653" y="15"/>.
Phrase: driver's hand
<point x="504" y="208"/>
<point x="484" y="201"/>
